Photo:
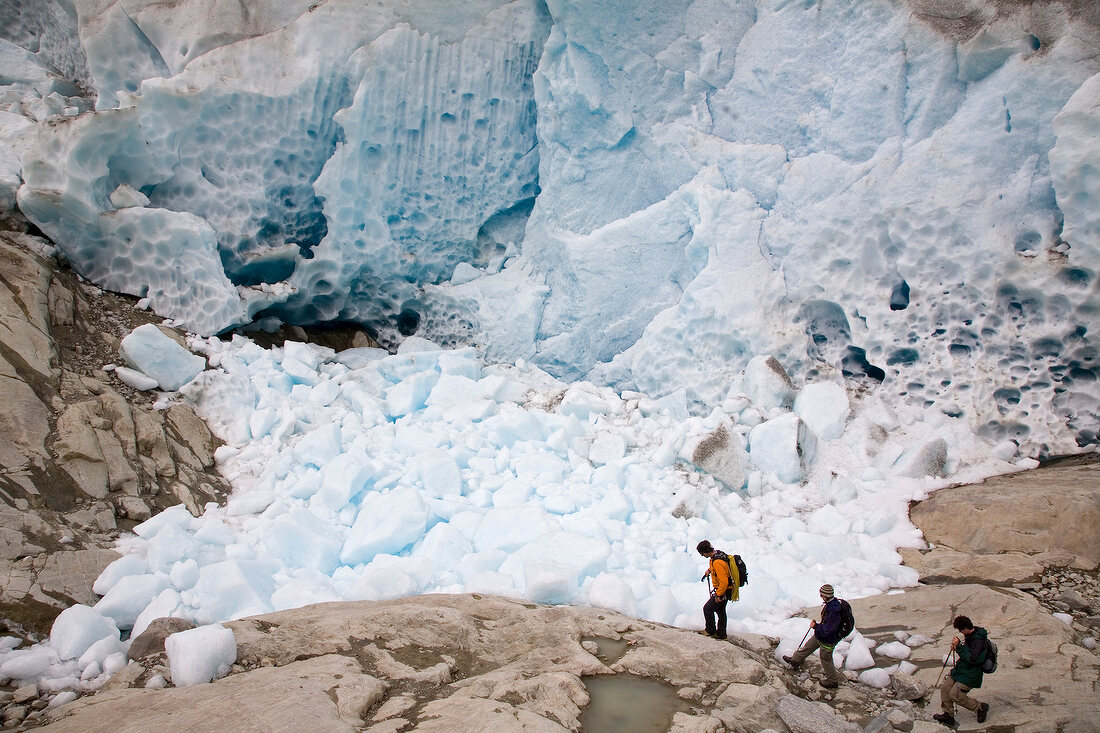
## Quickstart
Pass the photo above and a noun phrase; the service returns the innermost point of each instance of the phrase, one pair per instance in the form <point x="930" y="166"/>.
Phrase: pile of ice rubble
<point x="365" y="475"/>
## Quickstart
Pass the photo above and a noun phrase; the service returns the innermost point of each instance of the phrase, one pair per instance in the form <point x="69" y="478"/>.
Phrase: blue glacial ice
<point x="647" y="199"/>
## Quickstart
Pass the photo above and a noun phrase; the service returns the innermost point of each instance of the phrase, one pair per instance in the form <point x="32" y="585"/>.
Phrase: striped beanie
<point x="826" y="591"/>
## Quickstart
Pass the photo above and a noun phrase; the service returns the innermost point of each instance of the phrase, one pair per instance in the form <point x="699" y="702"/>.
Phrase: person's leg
<point x="826" y="656"/>
<point x="720" y="612"/>
<point x="810" y="647"/>
<point x="708" y="616"/>
<point x="947" y="699"/>
<point x="963" y="700"/>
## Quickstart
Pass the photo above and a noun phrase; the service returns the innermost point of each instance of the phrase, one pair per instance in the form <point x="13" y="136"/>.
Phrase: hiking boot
<point x="720" y="636"/>
<point x="707" y="633"/>
<point x="790" y="660"/>
<point x="983" y="710"/>
<point x="945" y="719"/>
<point x="830" y="684"/>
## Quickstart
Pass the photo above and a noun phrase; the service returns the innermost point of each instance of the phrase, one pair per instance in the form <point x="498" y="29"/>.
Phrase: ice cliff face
<point x="902" y="195"/>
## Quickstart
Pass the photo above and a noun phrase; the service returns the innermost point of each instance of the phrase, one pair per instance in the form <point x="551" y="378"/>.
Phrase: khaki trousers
<point x="826" y="657"/>
<point x="954" y="693"/>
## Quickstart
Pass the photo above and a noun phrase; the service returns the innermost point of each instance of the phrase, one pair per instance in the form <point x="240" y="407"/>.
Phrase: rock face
<point x="1007" y="514"/>
<point x="1035" y="530"/>
<point x="82" y="455"/>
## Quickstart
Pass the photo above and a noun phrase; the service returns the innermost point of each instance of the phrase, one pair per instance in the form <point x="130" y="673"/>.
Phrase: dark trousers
<point x="715" y="608"/>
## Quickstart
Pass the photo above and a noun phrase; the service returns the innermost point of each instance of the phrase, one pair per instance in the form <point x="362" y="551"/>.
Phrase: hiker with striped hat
<point x="827" y="633"/>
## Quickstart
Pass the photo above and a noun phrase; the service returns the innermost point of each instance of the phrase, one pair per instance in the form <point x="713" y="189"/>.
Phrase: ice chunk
<point x="136" y="379"/>
<point x="823" y="406"/>
<point x="439" y="474"/>
<point x="99" y="651"/>
<point x="510" y="527"/>
<point x="126" y="196"/>
<point x="722" y="454"/>
<point x="25" y="664"/>
<point x="152" y="352"/>
<point x="782" y="446"/>
<point x="387" y="577"/>
<point x="129" y="596"/>
<point x="875" y="678"/>
<point x="859" y="653"/>
<point x="894" y="650"/>
<point x="360" y="357"/>
<point x="609" y="590"/>
<point x="77" y="628"/>
<point x="583" y="399"/>
<point x="767" y="383"/>
<point x="416" y="344"/>
<point x="64" y="698"/>
<point x="168" y="603"/>
<point x="916" y="640"/>
<point x="548" y="581"/>
<point x="199" y="655"/>
<point x="232" y="589"/>
<point x="120" y="568"/>
<point x="342" y="477"/>
<point x="300" y="540"/>
<point x="385" y="523"/>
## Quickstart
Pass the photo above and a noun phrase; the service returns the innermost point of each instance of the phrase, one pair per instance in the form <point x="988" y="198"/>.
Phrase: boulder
<point x="151" y="641"/>
<point x="944" y="565"/>
<point x="804" y="716"/>
<point x="907" y="687"/>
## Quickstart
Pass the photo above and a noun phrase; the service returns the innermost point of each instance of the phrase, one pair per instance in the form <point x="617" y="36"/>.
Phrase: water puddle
<point x="622" y="703"/>
<point x="608" y="651"/>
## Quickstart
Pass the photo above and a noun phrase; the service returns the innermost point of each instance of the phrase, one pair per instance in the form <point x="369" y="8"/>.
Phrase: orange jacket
<point x="720" y="577"/>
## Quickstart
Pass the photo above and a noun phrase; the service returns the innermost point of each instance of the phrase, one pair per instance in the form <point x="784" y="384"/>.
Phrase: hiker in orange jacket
<point x="723" y="589"/>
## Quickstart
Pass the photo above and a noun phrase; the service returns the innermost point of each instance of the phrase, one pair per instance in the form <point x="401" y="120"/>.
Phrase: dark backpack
<point x="742" y="571"/>
<point x="989" y="664"/>
<point x="847" y="620"/>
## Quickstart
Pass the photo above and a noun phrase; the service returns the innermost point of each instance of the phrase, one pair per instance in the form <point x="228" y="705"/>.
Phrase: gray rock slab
<point x="804" y="716"/>
<point x="292" y="698"/>
<point x="944" y="565"/>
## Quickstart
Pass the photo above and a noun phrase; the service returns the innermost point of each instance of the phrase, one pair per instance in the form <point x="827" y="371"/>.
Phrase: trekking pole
<point x="946" y="659"/>
<point x="804" y="638"/>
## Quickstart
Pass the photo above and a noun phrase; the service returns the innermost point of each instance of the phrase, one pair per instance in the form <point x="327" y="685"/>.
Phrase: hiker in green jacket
<point x="966" y="675"/>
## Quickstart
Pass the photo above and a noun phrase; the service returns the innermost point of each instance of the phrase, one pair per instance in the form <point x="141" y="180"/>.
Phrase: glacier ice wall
<point x="901" y="193"/>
